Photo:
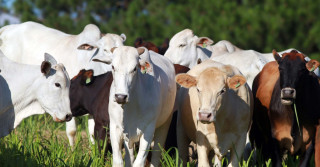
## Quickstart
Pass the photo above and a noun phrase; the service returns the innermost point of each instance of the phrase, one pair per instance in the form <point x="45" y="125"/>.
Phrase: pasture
<point x="39" y="141"/>
<point x="227" y="94"/>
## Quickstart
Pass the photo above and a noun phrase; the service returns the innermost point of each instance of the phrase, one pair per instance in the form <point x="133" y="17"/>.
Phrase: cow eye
<point x="222" y="91"/>
<point x="57" y="85"/>
<point x="198" y="90"/>
<point x="112" y="67"/>
<point x="135" y="69"/>
<point x="182" y="45"/>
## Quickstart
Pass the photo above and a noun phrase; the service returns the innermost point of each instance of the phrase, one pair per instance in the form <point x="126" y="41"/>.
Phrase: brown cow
<point x="90" y="95"/>
<point x="277" y="89"/>
<point x="139" y="42"/>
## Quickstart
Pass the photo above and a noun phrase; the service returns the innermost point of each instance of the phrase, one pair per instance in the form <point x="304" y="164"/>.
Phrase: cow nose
<point x="205" y="117"/>
<point x="120" y="98"/>
<point x="288" y="93"/>
<point x="68" y="117"/>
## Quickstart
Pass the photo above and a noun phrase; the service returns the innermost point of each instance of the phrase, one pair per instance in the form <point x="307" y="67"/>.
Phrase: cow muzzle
<point x="67" y="118"/>
<point x="205" y="117"/>
<point x="121" y="98"/>
<point x="288" y="95"/>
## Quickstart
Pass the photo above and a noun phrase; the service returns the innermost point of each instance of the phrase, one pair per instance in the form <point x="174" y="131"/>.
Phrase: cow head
<point x="127" y="63"/>
<point x="292" y="67"/>
<point x="53" y="93"/>
<point x="77" y="90"/>
<point x="102" y="47"/>
<point x="183" y="48"/>
<point x="213" y="86"/>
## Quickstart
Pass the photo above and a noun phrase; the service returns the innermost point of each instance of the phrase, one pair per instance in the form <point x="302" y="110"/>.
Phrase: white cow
<point x="141" y="101"/>
<point x="27" y="42"/>
<point x="187" y="49"/>
<point x="27" y="90"/>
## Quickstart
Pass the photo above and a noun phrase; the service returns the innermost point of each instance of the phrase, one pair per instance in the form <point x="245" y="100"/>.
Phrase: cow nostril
<point x="68" y="117"/>
<point x="120" y="98"/>
<point x="288" y="92"/>
<point x="209" y="115"/>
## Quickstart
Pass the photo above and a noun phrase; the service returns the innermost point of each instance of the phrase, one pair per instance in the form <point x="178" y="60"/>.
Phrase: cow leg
<point x="317" y="146"/>
<point x="116" y="143"/>
<point x="307" y="155"/>
<point x="182" y="141"/>
<point x="237" y="151"/>
<point x="276" y="156"/>
<point x="71" y="129"/>
<point x="91" y="128"/>
<point x="144" y="146"/>
<point x="129" y="156"/>
<point x="217" y="161"/>
<point x="160" y="136"/>
<point x="202" y="149"/>
<point x="100" y="133"/>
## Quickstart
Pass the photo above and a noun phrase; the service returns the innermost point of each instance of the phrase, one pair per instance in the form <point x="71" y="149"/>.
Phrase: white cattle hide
<point x="27" y="90"/>
<point x="27" y="42"/>
<point x="189" y="50"/>
<point x="141" y="101"/>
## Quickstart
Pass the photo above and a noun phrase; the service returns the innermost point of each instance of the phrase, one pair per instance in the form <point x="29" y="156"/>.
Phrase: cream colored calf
<point x="215" y="113"/>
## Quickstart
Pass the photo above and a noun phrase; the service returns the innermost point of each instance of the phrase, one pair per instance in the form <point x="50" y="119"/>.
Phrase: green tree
<point x="259" y="25"/>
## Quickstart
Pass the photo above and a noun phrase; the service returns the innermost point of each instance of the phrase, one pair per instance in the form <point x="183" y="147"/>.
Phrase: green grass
<point x="39" y="141"/>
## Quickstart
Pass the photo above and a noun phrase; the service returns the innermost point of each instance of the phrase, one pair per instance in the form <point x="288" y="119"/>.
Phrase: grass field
<point x="39" y="141"/>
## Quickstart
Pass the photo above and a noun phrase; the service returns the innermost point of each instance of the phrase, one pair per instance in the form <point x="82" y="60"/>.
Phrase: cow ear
<point x="140" y="51"/>
<point x="86" y="47"/>
<point x="204" y="42"/>
<point x="186" y="80"/>
<point x="112" y="49"/>
<point x="276" y="56"/>
<point x="144" y="65"/>
<point x="123" y="36"/>
<point x="104" y="59"/>
<point x="87" y="77"/>
<point x="312" y="65"/>
<point x="45" y="67"/>
<point x="236" y="81"/>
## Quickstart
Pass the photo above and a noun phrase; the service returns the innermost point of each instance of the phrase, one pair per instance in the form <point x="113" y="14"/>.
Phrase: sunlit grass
<point x="39" y="141"/>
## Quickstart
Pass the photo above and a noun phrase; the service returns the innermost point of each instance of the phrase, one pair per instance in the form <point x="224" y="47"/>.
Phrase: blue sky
<point x="8" y="3"/>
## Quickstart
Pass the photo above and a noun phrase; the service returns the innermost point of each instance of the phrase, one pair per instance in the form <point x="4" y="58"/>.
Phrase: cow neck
<point x="308" y="97"/>
<point x="26" y="104"/>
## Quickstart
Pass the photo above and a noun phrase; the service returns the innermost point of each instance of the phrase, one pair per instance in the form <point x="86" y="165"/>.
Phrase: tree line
<point x="259" y="25"/>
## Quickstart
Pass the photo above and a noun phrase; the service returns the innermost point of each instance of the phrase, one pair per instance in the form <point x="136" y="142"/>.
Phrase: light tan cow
<point x="215" y="112"/>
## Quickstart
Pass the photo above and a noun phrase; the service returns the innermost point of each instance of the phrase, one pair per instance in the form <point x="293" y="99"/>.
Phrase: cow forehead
<point x="181" y="36"/>
<point x="293" y="56"/>
<point x="125" y="56"/>
<point x="212" y="78"/>
<point x="61" y="71"/>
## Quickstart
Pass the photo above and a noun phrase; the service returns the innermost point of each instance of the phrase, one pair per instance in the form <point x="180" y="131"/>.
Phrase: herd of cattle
<point x="225" y="97"/>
